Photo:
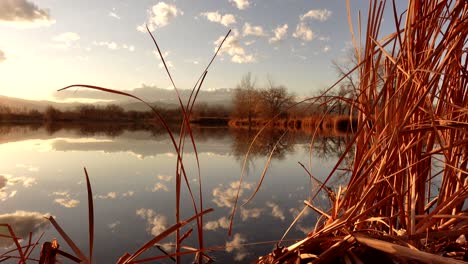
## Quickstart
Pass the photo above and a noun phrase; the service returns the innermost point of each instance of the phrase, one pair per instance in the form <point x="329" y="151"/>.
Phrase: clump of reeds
<point x="409" y="176"/>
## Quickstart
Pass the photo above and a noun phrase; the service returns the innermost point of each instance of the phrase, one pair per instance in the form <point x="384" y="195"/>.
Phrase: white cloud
<point x="303" y="32"/>
<point x="159" y="16"/>
<point x="223" y="222"/>
<point x="113" y="45"/>
<point x="65" y="199"/>
<point x="317" y="14"/>
<point x="159" y="186"/>
<point x="113" y="225"/>
<point x="22" y="222"/>
<point x="66" y="39"/>
<point x="165" y="55"/>
<point x="156" y="222"/>
<point x="241" y="4"/>
<point x="250" y="213"/>
<point x="236" y="244"/>
<point x="7" y="180"/>
<point x="108" y="44"/>
<point x="324" y="38"/>
<point x="128" y="47"/>
<point x="253" y="30"/>
<point x="67" y="202"/>
<point x="165" y="178"/>
<point x="225" y="197"/>
<point x="128" y="194"/>
<point x="23" y="13"/>
<point x="2" y="56"/>
<point x="248" y="43"/>
<point x="232" y="47"/>
<point x="216" y="17"/>
<point x="276" y="211"/>
<point x="280" y="33"/>
<point x="243" y="58"/>
<point x="110" y="195"/>
<point x="114" y="14"/>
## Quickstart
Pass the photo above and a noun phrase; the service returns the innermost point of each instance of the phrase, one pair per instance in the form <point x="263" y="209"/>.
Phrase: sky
<point x="48" y="44"/>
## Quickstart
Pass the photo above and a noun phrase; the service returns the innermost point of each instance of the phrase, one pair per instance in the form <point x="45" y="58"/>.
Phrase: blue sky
<point x="48" y="44"/>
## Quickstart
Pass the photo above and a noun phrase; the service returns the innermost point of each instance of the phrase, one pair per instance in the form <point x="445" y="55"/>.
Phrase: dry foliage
<point x="409" y="175"/>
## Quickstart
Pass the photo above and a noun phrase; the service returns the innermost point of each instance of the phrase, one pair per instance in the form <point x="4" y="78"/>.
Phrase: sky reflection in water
<point x="132" y="175"/>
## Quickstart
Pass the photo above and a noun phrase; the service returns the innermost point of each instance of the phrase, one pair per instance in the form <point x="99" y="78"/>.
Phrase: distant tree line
<point x="107" y="113"/>
<point x="249" y="101"/>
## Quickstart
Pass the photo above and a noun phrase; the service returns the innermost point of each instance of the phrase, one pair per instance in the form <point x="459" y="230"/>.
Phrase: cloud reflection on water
<point x="236" y="246"/>
<point x="157" y="223"/>
<point x="64" y="199"/>
<point x="22" y="223"/>
<point x="226" y="196"/>
<point x="6" y="181"/>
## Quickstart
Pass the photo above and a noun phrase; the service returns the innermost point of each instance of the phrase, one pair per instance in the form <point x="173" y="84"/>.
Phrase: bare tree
<point x="246" y="99"/>
<point x="275" y="101"/>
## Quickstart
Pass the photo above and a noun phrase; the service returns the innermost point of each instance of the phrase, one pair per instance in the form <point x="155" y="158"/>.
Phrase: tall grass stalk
<point x="411" y="104"/>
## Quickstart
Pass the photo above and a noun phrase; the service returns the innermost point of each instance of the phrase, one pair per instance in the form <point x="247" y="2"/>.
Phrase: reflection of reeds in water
<point x="330" y="125"/>
<point x="409" y="119"/>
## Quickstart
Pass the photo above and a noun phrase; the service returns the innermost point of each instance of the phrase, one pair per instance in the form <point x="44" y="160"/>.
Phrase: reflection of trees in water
<point x="329" y="147"/>
<point x="264" y="144"/>
<point x="326" y="147"/>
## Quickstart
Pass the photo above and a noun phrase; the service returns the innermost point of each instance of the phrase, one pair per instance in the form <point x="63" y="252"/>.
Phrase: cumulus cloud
<point x="2" y="56"/>
<point x="223" y="222"/>
<point x="114" y="14"/>
<point x="28" y="167"/>
<point x="24" y="13"/>
<point x="276" y="211"/>
<point x="232" y="47"/>
<point x="159" y="186"/>
<point x="317" y="14"/>
<point x="324" y="38"/>
<point x="112" y="226"/>
<point x="128" y="194"/>
<point x="236" y="245"/>
<point x="279" y="33"/>
<point x="159" y="16"/>
<point x="241" y="4"/>
<point x="156" y="222"/>
<point x="165" y="55"/>
<point x="66" y="40"/>
<point x="303" y="32"/>
<point x="7" y="181"/>
<point x="216" y="17"/>
<point x="22" y="222"/>
<point x="253" y="30"/>
<point x="225" y="197"/>
<point x="113" y="45"/>
<point x="25" y="181"/>
<point x="65" y="200"/>
<point x="110" y="195"/>
<point x="165" y="178"/>
<point x="250" y="213"/>
<point x="109" y="44"/>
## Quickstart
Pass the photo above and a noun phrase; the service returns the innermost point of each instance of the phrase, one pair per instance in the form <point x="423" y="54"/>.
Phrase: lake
<point x="132" y="173"/>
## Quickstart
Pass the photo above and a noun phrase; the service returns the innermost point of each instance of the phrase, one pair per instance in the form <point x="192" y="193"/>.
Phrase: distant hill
<point x="23" y="104"/>
<point x="159" y="97"/>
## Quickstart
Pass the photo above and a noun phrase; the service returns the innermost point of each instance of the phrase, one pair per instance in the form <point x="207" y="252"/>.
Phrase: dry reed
<point x="411" y="106"/>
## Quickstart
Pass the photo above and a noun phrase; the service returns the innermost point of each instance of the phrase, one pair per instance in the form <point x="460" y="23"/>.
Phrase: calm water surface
<point x="132" y="176"/>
